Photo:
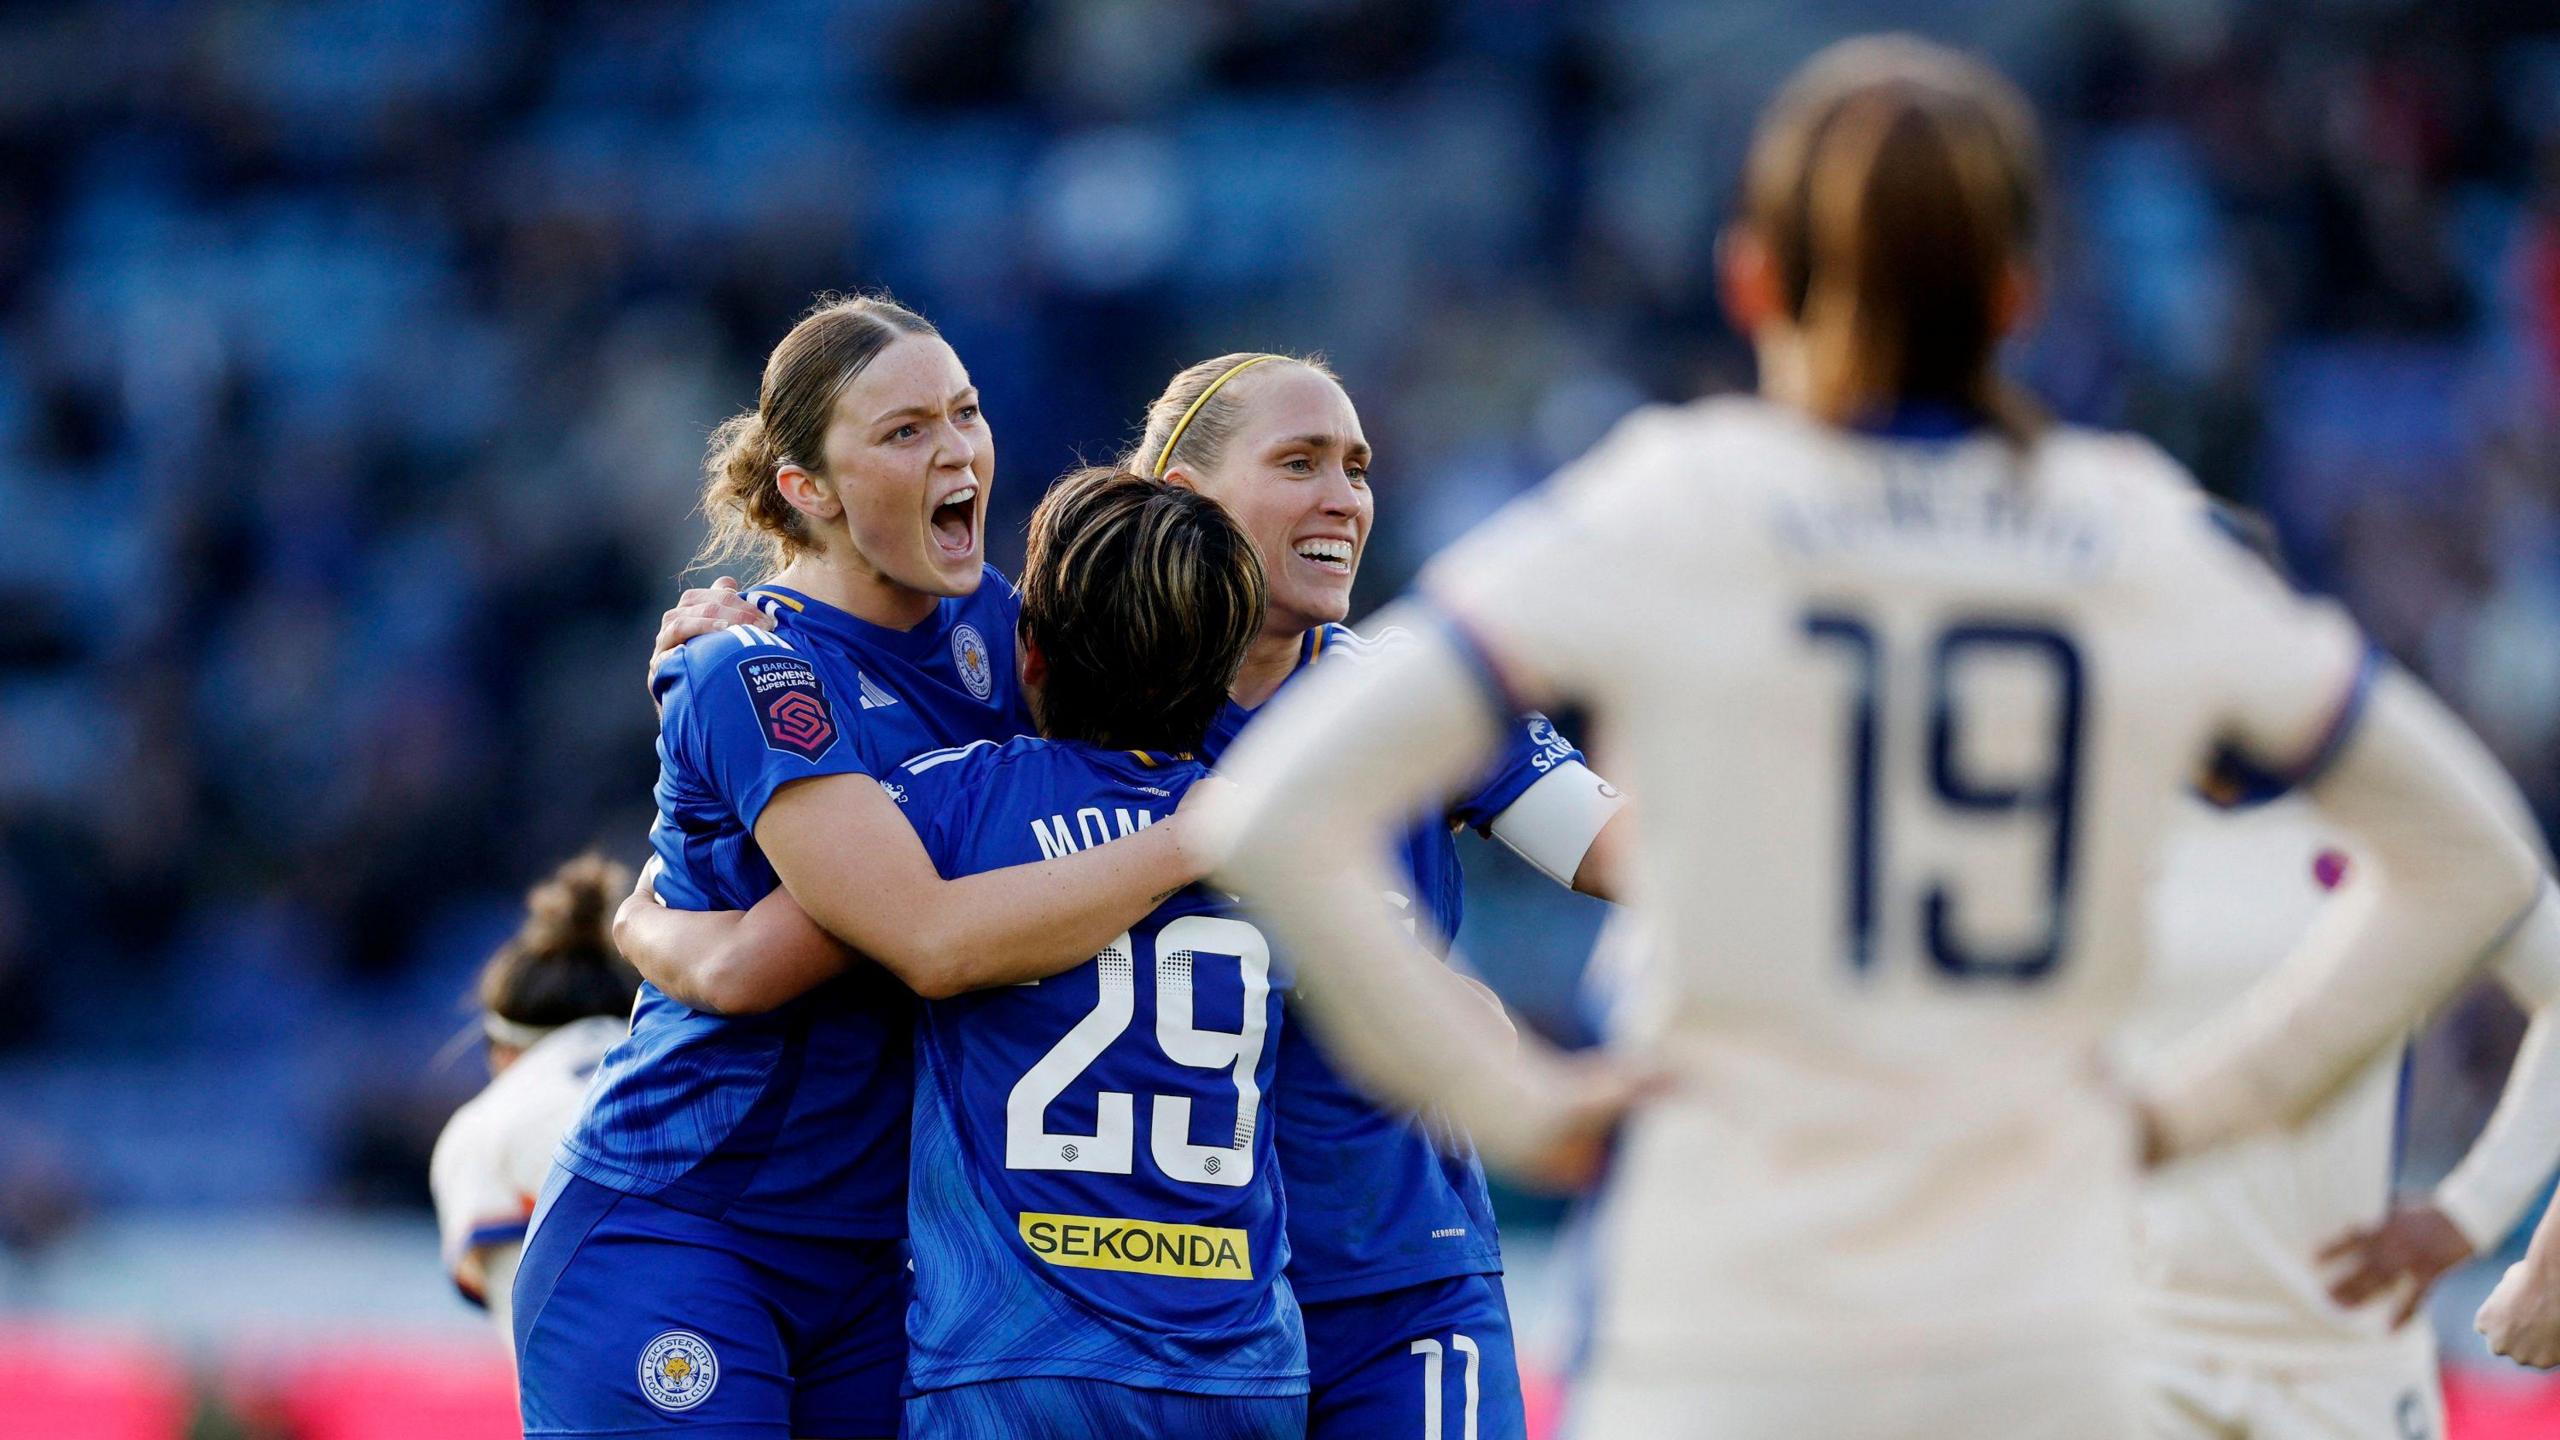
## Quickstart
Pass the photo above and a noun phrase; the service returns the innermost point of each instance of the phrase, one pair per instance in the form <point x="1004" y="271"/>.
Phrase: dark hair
<point x="1202" y="443"/>
<point x="1141" y="595"/>
<point x="802" y="378"/>
<point x="1894" y="182"/>
<point x="561" y="965"/>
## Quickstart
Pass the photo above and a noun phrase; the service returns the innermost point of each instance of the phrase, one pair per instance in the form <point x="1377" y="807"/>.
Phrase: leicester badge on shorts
<point x="789" y="703"/>
<point x="977" y="669"/>
<point x="677" y="1370"/>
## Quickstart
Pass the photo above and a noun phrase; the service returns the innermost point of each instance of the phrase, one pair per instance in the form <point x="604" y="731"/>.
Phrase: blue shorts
<point x="635" y="1318"/>
<point x="1054" y="1408"/>
<point x="1433" y="1360"/>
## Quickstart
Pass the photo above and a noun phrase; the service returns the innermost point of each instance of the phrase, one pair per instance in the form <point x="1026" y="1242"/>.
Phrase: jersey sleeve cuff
<point x="496" y="1232"/>
<point x="751" y="806"/>
<point x="1492" y="678"/>
<point x="2483" y="1220"/>
<point x="2234" y="780"/>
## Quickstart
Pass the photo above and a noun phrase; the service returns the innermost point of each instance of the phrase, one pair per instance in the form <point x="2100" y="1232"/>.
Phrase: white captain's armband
<point x="1553" y="822"/>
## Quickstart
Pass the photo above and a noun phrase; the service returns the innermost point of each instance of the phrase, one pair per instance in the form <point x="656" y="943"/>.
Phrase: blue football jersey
<point x="1095" y="1189"/>
<point x="794" y="1120"/>
<point x="1374" y="1205"/>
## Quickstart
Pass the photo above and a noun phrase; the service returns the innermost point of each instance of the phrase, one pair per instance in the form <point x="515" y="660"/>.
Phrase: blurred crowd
<point x="356" y="358"/>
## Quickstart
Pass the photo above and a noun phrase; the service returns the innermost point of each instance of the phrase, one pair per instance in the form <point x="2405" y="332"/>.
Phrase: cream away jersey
<point x="490" y="1162"/>
<point x="2228" y="1240"/>
<point x="1906" y="719"/>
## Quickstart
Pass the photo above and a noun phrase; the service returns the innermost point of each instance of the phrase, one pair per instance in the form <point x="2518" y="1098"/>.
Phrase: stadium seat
<point x="67" y="1384"/>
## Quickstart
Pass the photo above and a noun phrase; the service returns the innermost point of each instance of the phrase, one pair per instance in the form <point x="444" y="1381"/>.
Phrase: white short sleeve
<point x="1538" y="590"/>
<point x="479" y="1195"/>
<point x="2288" y="671"/>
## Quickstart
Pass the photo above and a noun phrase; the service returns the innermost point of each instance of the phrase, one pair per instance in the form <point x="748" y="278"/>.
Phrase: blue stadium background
<point x="356" y="359"/>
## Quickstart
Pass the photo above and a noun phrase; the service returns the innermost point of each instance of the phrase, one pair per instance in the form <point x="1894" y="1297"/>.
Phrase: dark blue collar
<point x="1922" y="420"/>
<point x="1127" y="760"/>
<point x="918" y="644"/>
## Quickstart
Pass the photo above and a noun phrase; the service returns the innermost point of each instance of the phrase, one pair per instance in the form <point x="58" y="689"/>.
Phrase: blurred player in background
<point x="722" y="1250"/>
<point x="2246" y="1338"/>
<point x="1909" y="680"/>
<point x="1096" y="1208"/>
<point x="553" y="999"/>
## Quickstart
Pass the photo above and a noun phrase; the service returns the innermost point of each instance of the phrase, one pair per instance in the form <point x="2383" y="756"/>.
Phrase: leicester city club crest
<point x="977" y="668"/>
<point x="677" y="1370"/>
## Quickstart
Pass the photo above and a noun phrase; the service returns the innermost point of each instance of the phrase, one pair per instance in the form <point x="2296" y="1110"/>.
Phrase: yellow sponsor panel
<point x="1142" y="1247"/>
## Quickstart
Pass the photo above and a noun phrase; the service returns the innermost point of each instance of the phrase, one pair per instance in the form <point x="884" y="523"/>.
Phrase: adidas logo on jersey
<point x="873" y="697"/>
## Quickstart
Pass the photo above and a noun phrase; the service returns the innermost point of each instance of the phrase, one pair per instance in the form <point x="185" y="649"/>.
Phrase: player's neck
<point x="1785" y="373"/>
<point x="859" y="591"/>
<point x="1267" y="661"/>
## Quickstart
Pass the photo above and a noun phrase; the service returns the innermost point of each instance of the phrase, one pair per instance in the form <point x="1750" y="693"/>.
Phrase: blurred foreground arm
<point x="1326" y="779"/>
<point x="2522" y="1318"/>
<point x="2450" y="877"/>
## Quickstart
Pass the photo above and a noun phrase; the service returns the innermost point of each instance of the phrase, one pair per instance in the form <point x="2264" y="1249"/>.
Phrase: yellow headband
<point x="1164" y="457"/>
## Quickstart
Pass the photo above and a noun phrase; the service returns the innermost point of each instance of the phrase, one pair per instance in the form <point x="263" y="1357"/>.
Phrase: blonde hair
<point x="1196" y="417"/>
<point x="741" y="497"/>
<point x="1894" y="183"/>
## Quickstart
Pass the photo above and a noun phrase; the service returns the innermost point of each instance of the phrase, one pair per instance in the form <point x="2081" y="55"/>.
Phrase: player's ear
<point x="2014" y="303"/>
<point x="1746" y="280"/>
<point x="1179" y="475"/>
<point x="809" y="493"/>
<point x="1030" y="665"/>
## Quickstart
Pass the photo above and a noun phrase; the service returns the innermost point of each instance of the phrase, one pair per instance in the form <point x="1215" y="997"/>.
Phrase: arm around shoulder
<point x="848" y="856"/>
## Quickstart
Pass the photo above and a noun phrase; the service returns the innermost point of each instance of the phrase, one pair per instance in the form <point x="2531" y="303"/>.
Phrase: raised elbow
<point x="937" y="985"/>
<point x="2507" y="875"/>
<point x="931" y="965"/>
<point x="723" y="986"/>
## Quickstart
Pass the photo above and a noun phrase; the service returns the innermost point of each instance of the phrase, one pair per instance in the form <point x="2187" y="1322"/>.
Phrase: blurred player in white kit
<point x="1906" y="682"/>
<point x="553" y="1000"/>
<point x="2279" y="1281"/>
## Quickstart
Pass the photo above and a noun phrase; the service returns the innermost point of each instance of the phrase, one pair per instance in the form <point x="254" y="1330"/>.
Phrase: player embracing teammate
<point x="1096" y="1212"/>
<point x="887" y="641"/>
<point x="721" y="1247"/>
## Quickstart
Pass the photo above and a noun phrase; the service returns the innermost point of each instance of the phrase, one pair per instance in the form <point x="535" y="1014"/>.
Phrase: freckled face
<point x="913" y="462"/>
<point x="1295" y="474"/>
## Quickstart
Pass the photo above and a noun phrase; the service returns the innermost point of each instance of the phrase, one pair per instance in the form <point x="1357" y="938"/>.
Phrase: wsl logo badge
<point x="678" y="1370"/>
<point x="790" y="704"/>
<point x="977" y="669"/>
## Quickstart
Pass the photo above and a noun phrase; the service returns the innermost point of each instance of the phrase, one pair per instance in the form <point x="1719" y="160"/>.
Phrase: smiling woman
<point x="1275" y="439"/>
<point x="1394" y="1257"/>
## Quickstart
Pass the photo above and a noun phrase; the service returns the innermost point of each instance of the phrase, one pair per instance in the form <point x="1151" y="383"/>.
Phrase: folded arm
<point x="729" y="962"/>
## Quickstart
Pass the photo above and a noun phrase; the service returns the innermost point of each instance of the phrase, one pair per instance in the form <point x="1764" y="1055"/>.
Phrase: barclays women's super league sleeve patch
<point x="789" y="703"/>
